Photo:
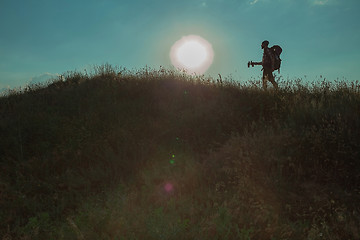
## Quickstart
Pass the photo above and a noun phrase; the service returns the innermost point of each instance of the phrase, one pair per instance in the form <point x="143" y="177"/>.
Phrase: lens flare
<point x="168" y="187"/>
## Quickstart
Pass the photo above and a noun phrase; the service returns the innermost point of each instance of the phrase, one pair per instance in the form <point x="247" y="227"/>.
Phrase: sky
<point x="40" y="39"/>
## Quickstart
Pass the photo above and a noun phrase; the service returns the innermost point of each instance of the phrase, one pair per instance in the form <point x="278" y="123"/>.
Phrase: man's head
<point x="264" y="44"/>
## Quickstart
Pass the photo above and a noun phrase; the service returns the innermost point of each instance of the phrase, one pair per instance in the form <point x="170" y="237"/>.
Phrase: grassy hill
<point x="160" y="155"/>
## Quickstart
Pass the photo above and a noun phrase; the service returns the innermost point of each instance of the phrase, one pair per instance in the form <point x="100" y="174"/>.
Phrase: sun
<point x="193" y="54"/>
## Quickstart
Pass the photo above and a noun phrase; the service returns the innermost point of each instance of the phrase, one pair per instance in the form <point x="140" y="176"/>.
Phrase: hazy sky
<point x="41" y="38"/>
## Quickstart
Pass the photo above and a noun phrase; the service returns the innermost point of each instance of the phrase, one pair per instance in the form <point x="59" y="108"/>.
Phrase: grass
<point x="155" y="154"/>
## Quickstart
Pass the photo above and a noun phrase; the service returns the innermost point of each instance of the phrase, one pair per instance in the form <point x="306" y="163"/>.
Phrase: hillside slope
<point x="191" y="158"/>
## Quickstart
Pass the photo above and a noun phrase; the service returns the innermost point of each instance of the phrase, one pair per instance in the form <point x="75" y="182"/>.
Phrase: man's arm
<point x="272" y="58"/>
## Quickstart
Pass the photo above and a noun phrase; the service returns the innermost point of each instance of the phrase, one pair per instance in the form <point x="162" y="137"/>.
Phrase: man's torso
<point x="266" y="60"/>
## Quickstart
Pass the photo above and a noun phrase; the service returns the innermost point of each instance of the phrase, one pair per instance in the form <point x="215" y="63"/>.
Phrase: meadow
<point x="157" y="154"/>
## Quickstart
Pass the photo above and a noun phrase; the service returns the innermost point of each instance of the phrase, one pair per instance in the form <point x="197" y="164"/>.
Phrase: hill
<point x="160" y="155"/>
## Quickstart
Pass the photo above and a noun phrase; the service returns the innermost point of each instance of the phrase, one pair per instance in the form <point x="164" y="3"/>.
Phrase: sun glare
<point x="192" y="53"/>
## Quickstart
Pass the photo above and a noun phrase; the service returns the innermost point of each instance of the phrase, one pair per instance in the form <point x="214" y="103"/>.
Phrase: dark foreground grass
<point x="159" y="155"/>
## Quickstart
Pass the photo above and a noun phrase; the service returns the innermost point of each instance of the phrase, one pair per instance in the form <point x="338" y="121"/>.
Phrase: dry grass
<point x="88" y="157"/>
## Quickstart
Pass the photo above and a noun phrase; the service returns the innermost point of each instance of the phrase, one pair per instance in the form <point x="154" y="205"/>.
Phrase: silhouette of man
<point x="268" y="62"/>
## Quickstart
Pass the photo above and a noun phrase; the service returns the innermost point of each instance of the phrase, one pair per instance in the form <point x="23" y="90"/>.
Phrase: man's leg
<point x="271" y="79"/>
<point x="264" y="80"/>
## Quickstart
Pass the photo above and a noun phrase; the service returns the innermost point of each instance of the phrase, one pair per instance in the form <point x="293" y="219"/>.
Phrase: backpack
<point x="276" y="50"/>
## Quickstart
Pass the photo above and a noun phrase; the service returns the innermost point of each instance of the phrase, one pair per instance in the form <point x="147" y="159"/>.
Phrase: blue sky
<point x="43" y="38"/>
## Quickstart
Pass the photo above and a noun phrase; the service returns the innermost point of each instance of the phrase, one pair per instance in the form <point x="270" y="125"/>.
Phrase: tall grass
<point x="88" y="156"/>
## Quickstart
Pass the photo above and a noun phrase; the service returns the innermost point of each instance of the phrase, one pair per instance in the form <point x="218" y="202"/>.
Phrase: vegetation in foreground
<point x="160" y="155"/>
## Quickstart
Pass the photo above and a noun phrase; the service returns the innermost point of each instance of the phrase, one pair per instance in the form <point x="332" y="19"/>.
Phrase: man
<point x="268" y="62"/>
